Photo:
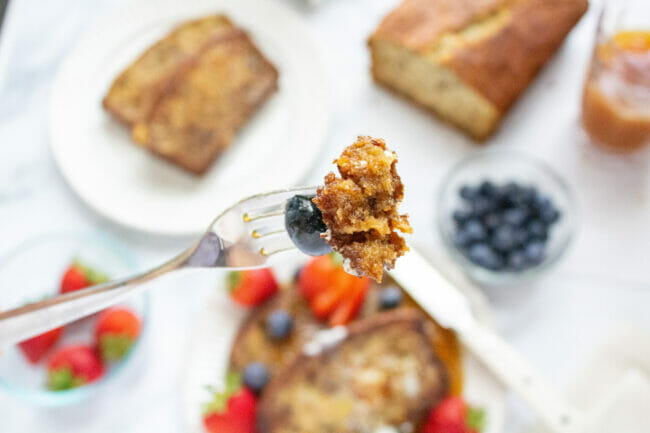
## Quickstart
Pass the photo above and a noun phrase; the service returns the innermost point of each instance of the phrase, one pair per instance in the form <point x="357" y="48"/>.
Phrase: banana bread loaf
<point x="469" y="60"/>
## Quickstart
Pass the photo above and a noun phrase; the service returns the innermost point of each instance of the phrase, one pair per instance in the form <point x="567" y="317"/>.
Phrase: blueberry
<point x="492" y="220"/>
<point x="517" y="260"/>
<point x="461" y="239"/>
<point x="487" y="189"/>
<point x="279" y="324"/>
<point x="475" y="230"/>
<point x="549" y="214"/>
<point x="504" y="239"/>
<point x="521" y="236"/>
<point x="515" y="217"/>
<point x="390" y="297"/>
<point x="468" y="193"/>
<point x="537" y="230"/>
<point x="534" y="252"/>
<point x="486" y="257"/>
<point x="481" y="206"/>
<point x="304" y="223"/>
<point x="256" y="376"/>
<point x="461" y="215"/>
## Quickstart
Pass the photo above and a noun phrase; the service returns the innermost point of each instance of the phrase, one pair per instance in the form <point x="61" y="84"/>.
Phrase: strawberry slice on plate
<point x="73" y="366"/>
<point x="252" y="287"/>
<point x="37" y="347"/>
<point x="333" y="295"/>
<point x="115" y="332"/>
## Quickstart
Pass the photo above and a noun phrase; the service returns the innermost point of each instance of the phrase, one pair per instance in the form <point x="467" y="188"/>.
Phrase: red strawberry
<point x="36" y="347"/>
<point x="73" y="366"/>
<point x="333" y="295"/>
<point x="232" y="411"/>
<point x="252" y="287"/>
<point x="316" y="275"/>
<point x="453" y="415"/>
<point x="115" y="332"/>
<point x="79" y="276"/>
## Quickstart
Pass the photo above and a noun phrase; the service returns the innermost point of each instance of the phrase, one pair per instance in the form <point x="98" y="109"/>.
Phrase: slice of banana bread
<point x="383" y="373"/>
<point x="187" y="95"/>
<point x="469" y="60"/>
<point x="136" y="90"/>
<point x="199" y="113"/>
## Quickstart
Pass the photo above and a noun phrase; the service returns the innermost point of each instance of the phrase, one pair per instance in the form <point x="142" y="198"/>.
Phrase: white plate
<point x="215" y="330"/>
<point x="129" y="185"/>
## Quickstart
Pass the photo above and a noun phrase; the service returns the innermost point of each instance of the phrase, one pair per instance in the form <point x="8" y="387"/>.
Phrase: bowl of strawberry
<point x="68" y="364"/>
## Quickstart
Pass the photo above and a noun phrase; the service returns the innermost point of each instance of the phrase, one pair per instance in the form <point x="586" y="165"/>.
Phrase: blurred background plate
<point x="32" y="271"/>
<point x="129" y="185"/>
<point x="219" y="320"/>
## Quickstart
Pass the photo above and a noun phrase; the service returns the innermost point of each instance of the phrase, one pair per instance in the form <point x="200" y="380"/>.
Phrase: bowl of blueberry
<point x="505" y="216"/>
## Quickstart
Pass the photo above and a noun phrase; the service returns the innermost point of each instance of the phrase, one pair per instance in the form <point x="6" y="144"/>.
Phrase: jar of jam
<point x="616" y="98"/>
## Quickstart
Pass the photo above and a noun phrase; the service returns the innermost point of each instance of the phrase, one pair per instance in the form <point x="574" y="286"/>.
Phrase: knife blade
<point x="433" y="292"/>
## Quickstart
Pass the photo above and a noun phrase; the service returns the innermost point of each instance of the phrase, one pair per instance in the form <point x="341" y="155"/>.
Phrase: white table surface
<point x="556" y="323"/>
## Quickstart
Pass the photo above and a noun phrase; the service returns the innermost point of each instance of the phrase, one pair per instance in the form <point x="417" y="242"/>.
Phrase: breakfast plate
<point x="130" y="186"/>
<point x="217" y="328"/>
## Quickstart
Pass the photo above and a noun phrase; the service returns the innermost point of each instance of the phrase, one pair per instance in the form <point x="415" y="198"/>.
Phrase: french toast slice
<point x="136" y="90"/>
<point x="200" y="111"/>
<point x="382" y="373"/>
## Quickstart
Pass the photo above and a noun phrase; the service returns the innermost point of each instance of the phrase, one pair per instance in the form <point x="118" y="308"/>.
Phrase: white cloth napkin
<point x="613" y="389"/>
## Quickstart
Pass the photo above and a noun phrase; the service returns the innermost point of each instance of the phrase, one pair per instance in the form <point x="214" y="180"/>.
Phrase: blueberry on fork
<point x="304" y="223"/>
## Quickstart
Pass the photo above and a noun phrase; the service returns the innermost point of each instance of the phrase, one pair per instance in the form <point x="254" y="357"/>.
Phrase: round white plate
<point x="217" y="325"/>
<point x="275" y="149"/>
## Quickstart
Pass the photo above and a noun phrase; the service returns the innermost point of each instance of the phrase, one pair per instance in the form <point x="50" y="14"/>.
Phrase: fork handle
<point x="33" y="319"/>
<point x="515" y="372"/>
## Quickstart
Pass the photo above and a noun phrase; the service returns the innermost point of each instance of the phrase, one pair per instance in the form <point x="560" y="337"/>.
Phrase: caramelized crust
<point x="383" y="373"/>
<point x="136" y="90"/>
<point x="360" y="208"/>
<point x="187" y="95"/>
<point x="199" y="114"/>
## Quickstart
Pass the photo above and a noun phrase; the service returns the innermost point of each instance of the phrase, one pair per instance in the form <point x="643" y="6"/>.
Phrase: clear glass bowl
<point x="502" y="166"/>
<point x="32" y="271"/>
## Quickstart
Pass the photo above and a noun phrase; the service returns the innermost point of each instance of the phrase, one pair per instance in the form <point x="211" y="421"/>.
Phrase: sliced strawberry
<point x="115" y="332"/>
<point x="253" y="287"/>
<point x="79" y="276"/>
<point x="73" y="366"/>
<point x="350" y="306"/>
<point x="37" y="347"/>
<point x="315" y="277"/>
<point x="333" y="295"/>
<point x="231" y="411"/>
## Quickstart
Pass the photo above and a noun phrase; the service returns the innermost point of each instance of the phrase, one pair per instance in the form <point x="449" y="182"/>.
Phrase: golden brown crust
<point x="472" y="59"/>
<point x="360" y="208"/>
<point x="187" y="95"/>
<point x="136" y="90"/>
<point x="502" y="66"/>
<point x="416" y="24"/>
<point x="383" y="373"/>
<point x="199" y="114"/>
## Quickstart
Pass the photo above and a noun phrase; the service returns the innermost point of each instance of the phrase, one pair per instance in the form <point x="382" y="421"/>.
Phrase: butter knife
<point x="450" y="308"/>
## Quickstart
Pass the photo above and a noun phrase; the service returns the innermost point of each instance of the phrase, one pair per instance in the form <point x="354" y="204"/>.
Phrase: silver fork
<point x="249" y="234"/>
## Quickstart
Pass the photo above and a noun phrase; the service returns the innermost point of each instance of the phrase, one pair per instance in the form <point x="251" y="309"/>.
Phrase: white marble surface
<point x="556" y="323"/>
